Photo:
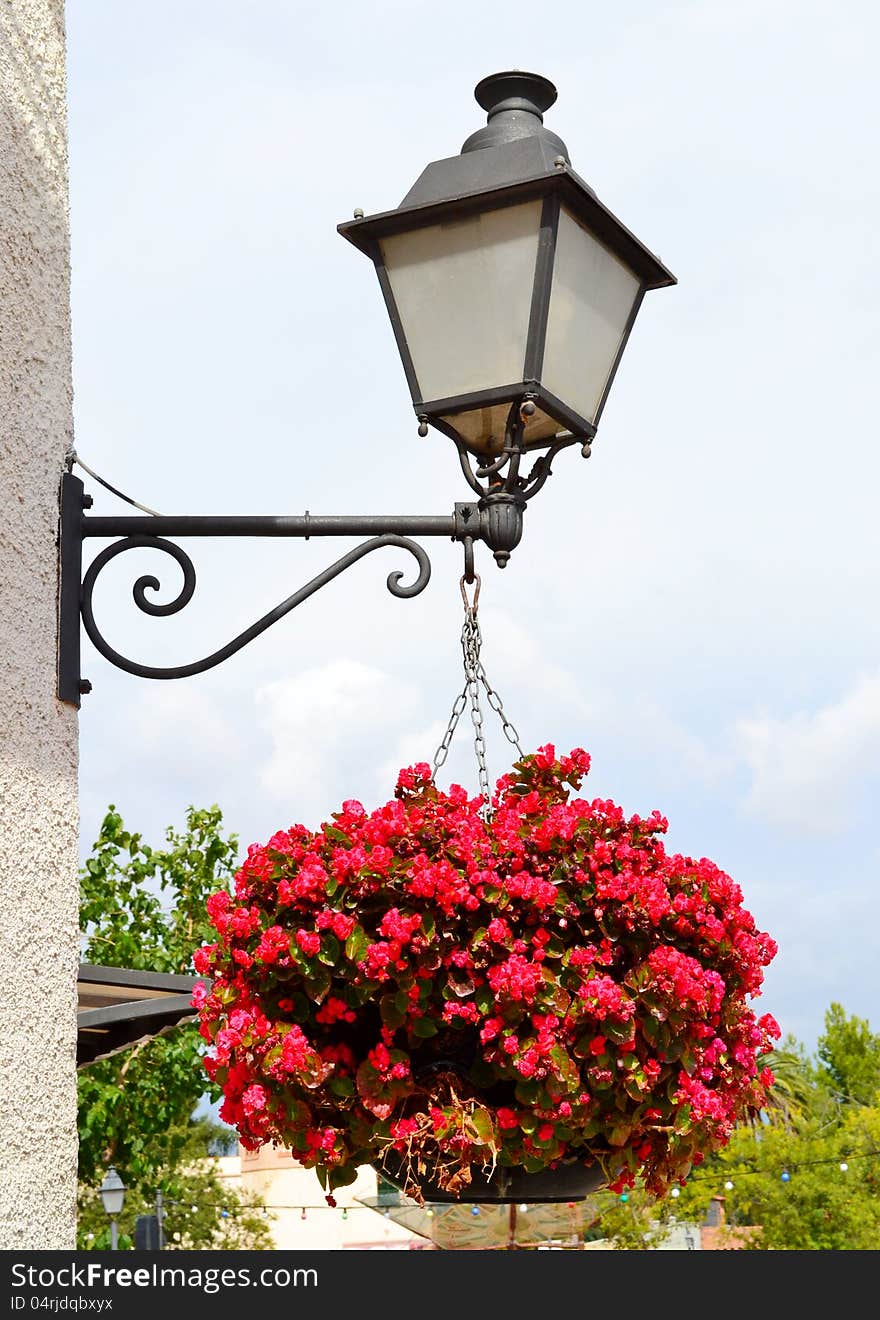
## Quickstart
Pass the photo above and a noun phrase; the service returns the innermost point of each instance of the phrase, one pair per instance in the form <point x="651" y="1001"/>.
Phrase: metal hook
<point x="471" y="607"/>
<point x="469" y="574"/>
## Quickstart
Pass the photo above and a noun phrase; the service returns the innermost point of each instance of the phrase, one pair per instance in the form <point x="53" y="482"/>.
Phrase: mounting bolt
<point x="87" y="501"/>
<point x="527" y="410"/>
<point x="84" y="686"/>
<point x="586" y="450"/>
<point x="358" y="213"/>
<point x="423" y="426"/>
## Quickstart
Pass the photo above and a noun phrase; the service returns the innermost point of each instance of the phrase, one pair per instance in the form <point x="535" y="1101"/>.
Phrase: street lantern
<point x="507" y="281"/>
<point x="112" y="1192"/>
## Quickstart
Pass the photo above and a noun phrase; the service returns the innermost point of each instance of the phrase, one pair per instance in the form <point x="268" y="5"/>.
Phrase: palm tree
<point x="792" y="1095"/>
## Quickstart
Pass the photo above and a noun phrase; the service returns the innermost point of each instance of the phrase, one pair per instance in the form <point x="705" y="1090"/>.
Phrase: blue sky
<point x="696" y="605"/>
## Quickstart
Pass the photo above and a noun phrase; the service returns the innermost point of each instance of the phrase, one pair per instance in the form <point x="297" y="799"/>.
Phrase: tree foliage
<point x="144" y="908"/>
<point x="849" y="1059"/>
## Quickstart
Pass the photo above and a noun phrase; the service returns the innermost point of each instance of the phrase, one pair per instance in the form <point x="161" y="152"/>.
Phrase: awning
<point x="118" y="1007"/>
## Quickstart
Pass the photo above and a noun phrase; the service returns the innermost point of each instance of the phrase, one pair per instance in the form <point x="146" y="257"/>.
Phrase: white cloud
<point x="185" y="717"/>
<point x="804" y="768"/>
<point x="409" y="749"/>
<point x="325" y="720"/>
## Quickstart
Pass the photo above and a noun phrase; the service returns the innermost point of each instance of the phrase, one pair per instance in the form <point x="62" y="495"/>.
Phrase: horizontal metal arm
<point x="306" y="526"/>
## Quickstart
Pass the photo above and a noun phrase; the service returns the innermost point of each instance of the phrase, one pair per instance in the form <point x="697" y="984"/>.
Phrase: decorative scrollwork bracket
<point x="468" y="523"/>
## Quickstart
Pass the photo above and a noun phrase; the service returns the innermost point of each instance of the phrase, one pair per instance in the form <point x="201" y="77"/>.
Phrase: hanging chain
<point x="475" y="678"/>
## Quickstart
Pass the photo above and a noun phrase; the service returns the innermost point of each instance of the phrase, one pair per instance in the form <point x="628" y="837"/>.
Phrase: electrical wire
<point x="74" y="458"/>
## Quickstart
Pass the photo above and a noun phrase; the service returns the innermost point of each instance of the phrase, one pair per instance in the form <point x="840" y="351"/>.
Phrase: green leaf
<point x="391" y="1014"/>
<point x="618" y="1031"/>
<point x="682" y="1122"/>
<point x="356" y="944"/>
<point x="483" y="1128"/>
<point x="565" y="1067"/>
<point x="318" y="984"/>
<point x="620" y="1133"/>
<point x="424" y="1027"/>
<point x="330" y="947"/>
<point x="343" y="1087"/>
<point x="527" y="1092"/>
<point x="342" y="1175"/>
<point x="337" y="836"/>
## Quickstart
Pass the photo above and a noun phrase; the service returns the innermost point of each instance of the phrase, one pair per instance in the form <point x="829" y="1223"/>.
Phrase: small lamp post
<point x="112" y="1191"/>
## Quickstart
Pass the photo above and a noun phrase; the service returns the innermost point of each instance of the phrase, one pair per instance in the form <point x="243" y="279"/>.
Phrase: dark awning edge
<point x="105" y="1031"/>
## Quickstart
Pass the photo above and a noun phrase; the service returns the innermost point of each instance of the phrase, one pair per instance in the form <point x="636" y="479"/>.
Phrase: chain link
<point x="475" y="678"/>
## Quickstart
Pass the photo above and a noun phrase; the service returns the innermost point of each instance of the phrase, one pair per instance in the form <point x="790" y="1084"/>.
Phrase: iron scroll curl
<point x="148" y="582"/>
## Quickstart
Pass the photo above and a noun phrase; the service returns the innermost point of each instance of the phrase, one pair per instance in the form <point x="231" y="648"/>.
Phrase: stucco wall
<point x="38" y="735"/>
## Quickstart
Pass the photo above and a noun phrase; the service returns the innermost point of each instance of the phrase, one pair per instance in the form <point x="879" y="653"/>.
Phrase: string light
<point x="742" y="1172"/>
<point x="344" y="1212"/>
<point x="624" y="1196"/>
<point x="475" y="1210"/>
<point x="303" y="1215"/>
<point x="728" y="1186"/>
<point x="676" y="1192"/>
<point x="524" y="1208"/>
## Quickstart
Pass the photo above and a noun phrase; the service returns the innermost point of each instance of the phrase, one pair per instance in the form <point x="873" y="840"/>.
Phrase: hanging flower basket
<point x="468" y="999"/>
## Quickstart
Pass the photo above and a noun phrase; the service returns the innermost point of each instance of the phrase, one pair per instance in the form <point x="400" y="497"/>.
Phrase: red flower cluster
<point x="531" y="988"/>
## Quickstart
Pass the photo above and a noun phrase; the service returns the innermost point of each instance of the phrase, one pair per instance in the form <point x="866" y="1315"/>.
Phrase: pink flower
<point x="309" y="941"/>
<point x="253" y="1100"/>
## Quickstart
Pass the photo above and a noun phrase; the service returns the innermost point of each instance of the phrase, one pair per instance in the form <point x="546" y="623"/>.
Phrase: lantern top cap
<point x="529" y="91"/>
<point x="515" y="102"/>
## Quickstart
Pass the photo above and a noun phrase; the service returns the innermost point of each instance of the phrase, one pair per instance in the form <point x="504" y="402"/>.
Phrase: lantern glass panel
<point x="592" y="297"/>
<point x="463" y="291"/>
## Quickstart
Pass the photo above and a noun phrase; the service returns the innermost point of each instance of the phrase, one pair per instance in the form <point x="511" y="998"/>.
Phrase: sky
<point x="695" y="606"/>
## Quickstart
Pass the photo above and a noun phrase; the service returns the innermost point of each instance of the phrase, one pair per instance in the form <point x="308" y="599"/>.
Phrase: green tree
<point x="144" y="908"/>
<point x="849" y="1059"/>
